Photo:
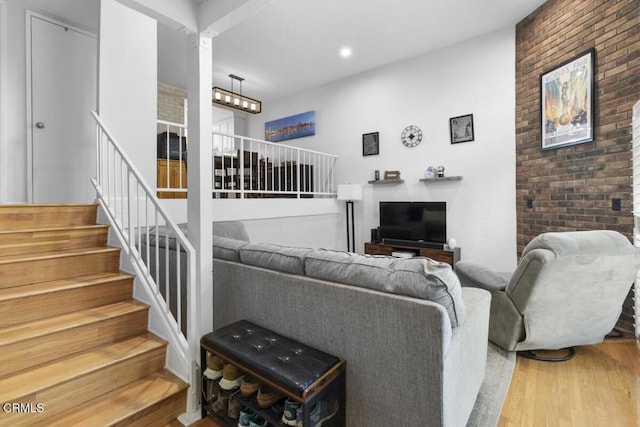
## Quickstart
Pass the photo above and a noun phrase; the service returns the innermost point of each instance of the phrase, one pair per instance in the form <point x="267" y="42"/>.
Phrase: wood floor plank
<point x="599" y="387"/>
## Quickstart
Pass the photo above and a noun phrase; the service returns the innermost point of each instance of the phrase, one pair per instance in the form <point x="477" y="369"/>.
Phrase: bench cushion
<point x="294" y="365"/>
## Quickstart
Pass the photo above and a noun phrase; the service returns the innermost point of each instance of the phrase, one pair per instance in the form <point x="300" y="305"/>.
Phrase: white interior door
<point x="63" y="92"/>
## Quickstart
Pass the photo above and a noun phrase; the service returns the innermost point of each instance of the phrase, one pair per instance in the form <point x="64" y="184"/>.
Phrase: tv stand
<point x="450" y="256"/>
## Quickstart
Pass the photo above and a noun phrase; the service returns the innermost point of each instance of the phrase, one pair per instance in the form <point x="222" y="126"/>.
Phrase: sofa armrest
<point x="474" y="275"/>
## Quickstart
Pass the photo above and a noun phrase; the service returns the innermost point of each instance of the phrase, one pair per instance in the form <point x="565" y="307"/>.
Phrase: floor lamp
<point x="350" y="192"/>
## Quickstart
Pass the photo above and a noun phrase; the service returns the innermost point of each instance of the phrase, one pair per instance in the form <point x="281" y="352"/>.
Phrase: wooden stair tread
<point x="16" y="217"/>
<point x="80" y="227"/>
<point x="121" y="404"/>
<point x="30" y="290"/>
<point x="65" y="369"/>
<point x="43" y="327"/>
<point x="7" y="259"/>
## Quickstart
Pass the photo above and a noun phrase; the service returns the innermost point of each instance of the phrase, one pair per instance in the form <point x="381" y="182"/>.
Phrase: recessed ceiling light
<point x="345" y="52"/>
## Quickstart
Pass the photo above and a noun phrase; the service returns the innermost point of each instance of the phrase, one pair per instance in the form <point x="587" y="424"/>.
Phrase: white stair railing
<point x="147" y="235"/>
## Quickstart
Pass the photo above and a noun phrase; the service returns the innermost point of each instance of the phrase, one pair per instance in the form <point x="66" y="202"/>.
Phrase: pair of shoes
<point x="249" y="385"/>
<point x="268" y="396"/>
<point x="214" y="366"/>
<point x="210" y="391"/>
<point x="322" y="411"/>
<point x="235" y="407"/>
<point x="290" y="414"/>
<point x="246" y="416"/>
<point x="231" y="377"/>
<point x="221" y="404"/>
<point x="258" y="422"/>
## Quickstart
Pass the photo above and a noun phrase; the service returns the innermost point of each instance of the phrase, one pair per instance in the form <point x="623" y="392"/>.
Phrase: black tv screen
<point x="414" y="221"/>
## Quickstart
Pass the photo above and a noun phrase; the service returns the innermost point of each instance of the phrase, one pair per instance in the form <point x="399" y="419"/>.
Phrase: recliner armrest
<point x="474" y="275"/>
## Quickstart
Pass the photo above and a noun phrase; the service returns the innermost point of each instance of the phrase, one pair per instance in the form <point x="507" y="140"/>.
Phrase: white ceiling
<point x="292" y="45"/>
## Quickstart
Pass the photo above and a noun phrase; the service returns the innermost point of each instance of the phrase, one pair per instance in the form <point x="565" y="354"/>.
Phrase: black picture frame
<point x="370" y="144"/>
<point x="567" y="96"/>
<point x="461" y="129"/>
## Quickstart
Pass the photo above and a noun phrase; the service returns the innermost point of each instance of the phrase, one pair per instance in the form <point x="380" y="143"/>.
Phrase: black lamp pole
<point x="351" y="234"/>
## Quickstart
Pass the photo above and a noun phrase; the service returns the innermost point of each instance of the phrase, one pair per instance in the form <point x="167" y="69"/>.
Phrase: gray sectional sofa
<point x="414" y="340"/>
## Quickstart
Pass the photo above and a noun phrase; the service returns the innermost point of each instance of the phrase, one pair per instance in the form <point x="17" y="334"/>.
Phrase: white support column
<point x="199" y="172"/>
<point x="3" y="61"/>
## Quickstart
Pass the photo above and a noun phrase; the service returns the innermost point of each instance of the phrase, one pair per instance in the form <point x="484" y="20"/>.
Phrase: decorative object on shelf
<point x="376" y="175"/>
<point x="392" y="175"/>
<point x="370" y="144"/>
<point x="430" y="172"/>
<point x="296" y="126"/>
<point x="440" y="171"/>
<point x="461" y="128"/>
<point x="349" y="193"/>
<point x="236" y="100"/>
<point x="411" y="136"/>
<point x="567" y="102"/>
<point x="452" y="243"/>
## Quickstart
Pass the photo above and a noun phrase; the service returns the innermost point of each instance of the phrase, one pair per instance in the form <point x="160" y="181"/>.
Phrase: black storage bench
<point x="298" y="371"/>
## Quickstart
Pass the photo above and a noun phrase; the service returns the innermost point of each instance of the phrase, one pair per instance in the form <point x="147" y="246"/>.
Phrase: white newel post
<point x="199" y="177"/>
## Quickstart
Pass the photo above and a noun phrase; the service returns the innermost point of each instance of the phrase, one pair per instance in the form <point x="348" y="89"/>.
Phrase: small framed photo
<point x="566" y="102"/>
<point x="370" y="144"/>
<point x="461" y="128"/>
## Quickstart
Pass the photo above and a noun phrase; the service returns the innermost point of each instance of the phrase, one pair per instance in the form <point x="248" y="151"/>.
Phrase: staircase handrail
<point x="186" y="347"/>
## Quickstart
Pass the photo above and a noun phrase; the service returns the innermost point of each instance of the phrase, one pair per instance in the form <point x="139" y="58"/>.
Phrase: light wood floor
<point x="599" y="387"/>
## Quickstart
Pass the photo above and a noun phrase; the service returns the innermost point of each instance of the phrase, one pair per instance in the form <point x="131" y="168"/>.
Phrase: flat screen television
<point x="413" y="222"/>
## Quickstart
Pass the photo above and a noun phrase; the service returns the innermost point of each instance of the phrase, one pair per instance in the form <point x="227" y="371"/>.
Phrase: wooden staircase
<point x="74" y="345"/>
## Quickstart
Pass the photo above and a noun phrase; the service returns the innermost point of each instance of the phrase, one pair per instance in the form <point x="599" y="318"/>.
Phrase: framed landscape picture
<point x="370" y="144"/>
<point x="298" y="126"/>
<point x="567" y="102"/>
<point x="461" y="128"/>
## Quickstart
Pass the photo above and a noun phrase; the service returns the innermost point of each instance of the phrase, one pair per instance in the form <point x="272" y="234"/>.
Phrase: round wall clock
<point x="411" y="136"/>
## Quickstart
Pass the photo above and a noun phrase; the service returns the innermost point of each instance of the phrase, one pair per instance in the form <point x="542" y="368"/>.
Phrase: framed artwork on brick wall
<point x="566" y="97"/>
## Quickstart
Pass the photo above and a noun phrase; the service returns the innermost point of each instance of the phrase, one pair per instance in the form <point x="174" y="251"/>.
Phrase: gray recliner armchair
<point x="567" y="290"/>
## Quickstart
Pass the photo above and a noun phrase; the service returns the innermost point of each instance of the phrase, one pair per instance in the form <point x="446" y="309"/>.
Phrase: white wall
<point x="127" y="80"/>
<point x="477" y="77"/>
<point x="13" y="114"/>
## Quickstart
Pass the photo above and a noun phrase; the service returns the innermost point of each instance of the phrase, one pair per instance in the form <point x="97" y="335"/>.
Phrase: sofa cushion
<point x="231" y="230"/>
<point x="415" y="277"/>
<point x="275" y="257"/>
<point x="226" y="248"/>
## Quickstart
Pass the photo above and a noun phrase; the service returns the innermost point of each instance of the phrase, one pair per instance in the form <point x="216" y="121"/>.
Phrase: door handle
<point x="40" y="125"/>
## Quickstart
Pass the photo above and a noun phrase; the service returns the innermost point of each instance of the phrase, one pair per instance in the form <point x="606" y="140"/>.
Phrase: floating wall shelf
<point x="387" y="181"/>
<point x="444" y="178"/>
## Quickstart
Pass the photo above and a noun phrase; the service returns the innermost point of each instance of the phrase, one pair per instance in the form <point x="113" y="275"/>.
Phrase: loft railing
<point x="161" y="255"/>
<point x="251" y="168"/>
<point x="244" y="167"/>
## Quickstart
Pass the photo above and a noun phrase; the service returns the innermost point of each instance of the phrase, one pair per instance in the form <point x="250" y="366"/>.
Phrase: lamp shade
<point x="349" y="192"/>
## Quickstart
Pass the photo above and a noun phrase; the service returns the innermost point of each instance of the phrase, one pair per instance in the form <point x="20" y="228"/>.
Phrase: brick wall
<point x="572" y="188"/>
<point x="171" y="103"/>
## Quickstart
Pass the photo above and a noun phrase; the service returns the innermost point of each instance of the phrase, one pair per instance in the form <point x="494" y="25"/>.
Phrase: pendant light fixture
<point x="236" y="100"/>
